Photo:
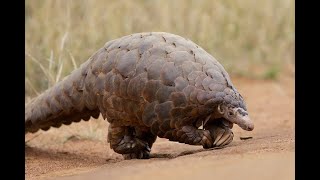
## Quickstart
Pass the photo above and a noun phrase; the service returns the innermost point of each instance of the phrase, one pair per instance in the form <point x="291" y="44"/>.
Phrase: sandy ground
<point x="80" y="151"/>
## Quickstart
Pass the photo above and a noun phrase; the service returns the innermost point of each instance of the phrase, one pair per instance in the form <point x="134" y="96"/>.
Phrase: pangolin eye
<point x="230" y="113"/>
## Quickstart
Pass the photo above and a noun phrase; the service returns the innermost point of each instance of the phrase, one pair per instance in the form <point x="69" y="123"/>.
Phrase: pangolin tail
<point x="70" y="100"/>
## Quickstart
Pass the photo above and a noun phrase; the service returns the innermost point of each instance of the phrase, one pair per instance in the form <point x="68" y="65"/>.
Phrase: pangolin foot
<point x="134" y="149"/>
<point x="220" y="134"/>
<point x="143" y="154"/>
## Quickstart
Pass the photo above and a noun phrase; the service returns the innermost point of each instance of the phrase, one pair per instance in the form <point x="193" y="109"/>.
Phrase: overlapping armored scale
<point x="158" y="80"/>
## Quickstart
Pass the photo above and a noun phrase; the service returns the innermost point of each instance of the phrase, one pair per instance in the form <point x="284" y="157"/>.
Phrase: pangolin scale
<point x="146" y="85"/>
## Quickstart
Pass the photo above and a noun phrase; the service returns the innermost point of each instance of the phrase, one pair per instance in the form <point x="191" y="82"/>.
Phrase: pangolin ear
<point x="220" y="110"/>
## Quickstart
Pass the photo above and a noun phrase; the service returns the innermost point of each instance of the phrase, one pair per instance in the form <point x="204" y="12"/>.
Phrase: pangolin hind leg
<point x="143" y="134"/>
<point x="131" y="142"/>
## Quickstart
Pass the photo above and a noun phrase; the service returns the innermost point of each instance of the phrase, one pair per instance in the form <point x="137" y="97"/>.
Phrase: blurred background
<point x="254" y="39"/>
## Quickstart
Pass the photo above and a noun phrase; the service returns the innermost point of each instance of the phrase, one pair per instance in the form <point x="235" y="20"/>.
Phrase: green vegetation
<point x="242" y="35"/>
<point x="271" y="73"/>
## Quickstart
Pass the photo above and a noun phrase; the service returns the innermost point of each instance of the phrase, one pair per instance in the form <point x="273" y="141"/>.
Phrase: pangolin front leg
<point x="222" y="135"/>
<point x="131" y="142"/>
<point x="190" y="135"/>
<point x="214" y="136"/>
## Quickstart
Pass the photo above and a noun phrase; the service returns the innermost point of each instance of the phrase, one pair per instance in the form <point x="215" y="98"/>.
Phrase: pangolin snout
<point x="246" y="123"/>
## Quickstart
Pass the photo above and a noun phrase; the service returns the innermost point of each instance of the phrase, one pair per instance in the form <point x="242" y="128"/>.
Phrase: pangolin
<point x="146" y="85"/>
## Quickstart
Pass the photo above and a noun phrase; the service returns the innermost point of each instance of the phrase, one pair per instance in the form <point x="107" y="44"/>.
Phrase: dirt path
<point x="57" y="154"/>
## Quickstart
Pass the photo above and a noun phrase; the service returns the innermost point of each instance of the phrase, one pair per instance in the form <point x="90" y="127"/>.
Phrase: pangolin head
<point x="236" y="115"/>
<point x="232" y="110"/>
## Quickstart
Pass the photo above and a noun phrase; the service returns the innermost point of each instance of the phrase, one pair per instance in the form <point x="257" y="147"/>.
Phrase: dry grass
<point x="242" y="35"/>
<point x="95" y="129"/>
